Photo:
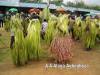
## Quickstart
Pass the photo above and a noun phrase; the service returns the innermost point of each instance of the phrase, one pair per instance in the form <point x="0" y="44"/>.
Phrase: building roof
<point x="6" y="3"/>
<point x="43" y="5"/>
<point x="37" y="5"/>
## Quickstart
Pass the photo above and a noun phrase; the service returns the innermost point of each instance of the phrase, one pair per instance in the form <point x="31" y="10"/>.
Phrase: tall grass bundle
<point x="19" y="55"/>
<point x="7" y="24"/>
<point x="78" y="28"/>
<point x="25" y="23"/>
<point x="46" y="13"/>
<point x="33" y="39"/>
<point x="98" y="31"/>
<point x="63" y="23"/>
<point x="16" y="21"/>
<point x="90" y="36"/>
<point x="51" y="29"/>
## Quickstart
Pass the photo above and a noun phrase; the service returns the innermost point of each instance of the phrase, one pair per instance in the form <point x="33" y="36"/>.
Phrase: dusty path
<point x="38" y="68"/>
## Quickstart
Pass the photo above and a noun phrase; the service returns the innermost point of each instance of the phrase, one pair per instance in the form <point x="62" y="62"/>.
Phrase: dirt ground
<point x="80" y="56"/>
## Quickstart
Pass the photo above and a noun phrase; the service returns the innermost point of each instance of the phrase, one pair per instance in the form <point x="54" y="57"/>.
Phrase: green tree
<point x="81" y="4"/>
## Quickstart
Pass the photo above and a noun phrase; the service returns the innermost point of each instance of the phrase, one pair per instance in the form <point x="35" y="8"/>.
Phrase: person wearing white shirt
<point x="44" y="27"/>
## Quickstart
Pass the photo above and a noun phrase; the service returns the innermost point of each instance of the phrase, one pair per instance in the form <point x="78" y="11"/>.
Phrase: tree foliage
<point x="81" y="4"/>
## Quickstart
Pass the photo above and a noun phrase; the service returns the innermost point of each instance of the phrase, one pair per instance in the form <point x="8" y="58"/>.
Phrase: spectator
<point x="12" y="39"/>
<point x="1" y="20"/>
<point x="34" y="16"/>
<point x="44" y="26"/>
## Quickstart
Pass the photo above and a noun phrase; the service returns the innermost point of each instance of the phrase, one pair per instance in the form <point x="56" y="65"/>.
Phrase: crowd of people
<point x="64" y="53"/>
<point x="34" y="15"/>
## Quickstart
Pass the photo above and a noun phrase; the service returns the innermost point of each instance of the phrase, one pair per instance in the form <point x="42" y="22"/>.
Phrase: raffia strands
<point x="60" y="48"/>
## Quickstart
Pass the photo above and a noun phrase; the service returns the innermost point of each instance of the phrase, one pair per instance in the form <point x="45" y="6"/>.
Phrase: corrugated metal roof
<point x="3" y="3"/>
<point x="35" y="5"/>
<point x="52" y="6"/>
<point x="43" y="5"/>
<point x="81" y="9"/>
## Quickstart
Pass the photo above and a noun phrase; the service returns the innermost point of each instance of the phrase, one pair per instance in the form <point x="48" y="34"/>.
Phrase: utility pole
<point x="48" y="3"/>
